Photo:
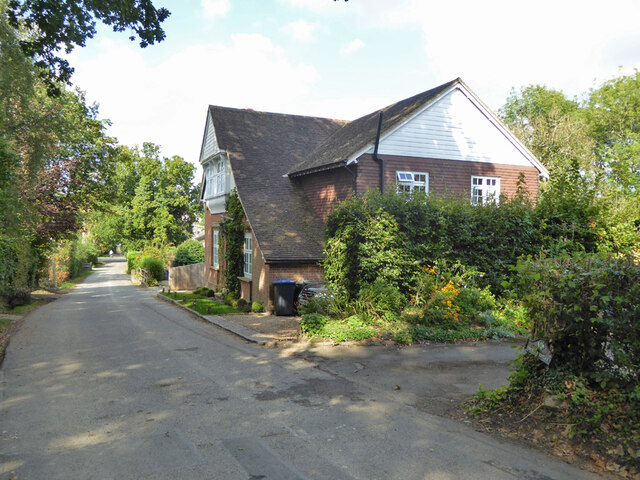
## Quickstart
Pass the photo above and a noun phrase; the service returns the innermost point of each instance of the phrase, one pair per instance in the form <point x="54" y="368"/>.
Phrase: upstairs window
<point x="412" y="182"/>
<point x="484" y="190"/>
<point x="248" y="254"/>
<point x="215" y="178"/>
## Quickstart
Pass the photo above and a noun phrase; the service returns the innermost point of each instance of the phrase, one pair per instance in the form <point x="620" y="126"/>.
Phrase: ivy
<point x="233" y="229"/>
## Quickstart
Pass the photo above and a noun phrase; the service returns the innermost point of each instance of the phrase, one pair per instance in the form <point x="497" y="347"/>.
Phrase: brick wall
<point x="263" y="287"/>
<point x="325" y="189"/>
<point x="446" y="177"/>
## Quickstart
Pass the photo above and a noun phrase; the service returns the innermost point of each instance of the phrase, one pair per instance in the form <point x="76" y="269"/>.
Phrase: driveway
<point x="109" y="382"/>
<point x="431" y="378"/>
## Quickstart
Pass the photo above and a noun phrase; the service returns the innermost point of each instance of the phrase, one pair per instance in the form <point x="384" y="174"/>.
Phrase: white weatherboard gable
<point x="210" y="142"/>
<point x="456" y="127"/>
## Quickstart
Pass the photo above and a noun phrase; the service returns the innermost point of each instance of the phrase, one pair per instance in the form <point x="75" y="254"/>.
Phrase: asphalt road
<point x="108" y="382"/>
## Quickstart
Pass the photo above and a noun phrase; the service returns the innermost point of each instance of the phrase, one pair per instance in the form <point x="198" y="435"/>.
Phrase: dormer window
<point x="215" y="178"/>
<point x="412" y="182"/>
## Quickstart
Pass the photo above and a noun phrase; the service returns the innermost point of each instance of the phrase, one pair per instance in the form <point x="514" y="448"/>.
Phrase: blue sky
<point x="344" y="59"/>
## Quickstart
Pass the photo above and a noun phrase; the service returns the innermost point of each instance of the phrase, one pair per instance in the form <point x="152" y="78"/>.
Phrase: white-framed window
<point x="215" y="178"/>
<point x="412" y="182"/>
<point x="485" y="189"/>
<point x="248" y="254"/>
<point x="215" y="247"/>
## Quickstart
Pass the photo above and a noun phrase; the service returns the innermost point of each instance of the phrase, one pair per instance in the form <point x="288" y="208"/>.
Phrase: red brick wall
<point x="446" y="177"/>
<point x="264" y="275"/>
<point x="325" y="189"/>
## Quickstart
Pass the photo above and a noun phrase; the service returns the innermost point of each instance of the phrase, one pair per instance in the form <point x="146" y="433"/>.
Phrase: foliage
<point x="355" y="327"/>
<point x="54" y="26"/>
<point x="600" y="423"/>
<point x="378" y="298"/>
<point x="154" y="266"/>
<point x="591" y="149"/>
<point x="389" y="236"/>
<point x="363" y="244"/>
<point x="132" y="259"/>
<point x="203" y="305"/>
<point x="587" y="309"/>
<point x="158" y="202"/>
<point x="204" y="292"/>
<point x="257" y="307"/>
<point x="313" y="323"/>
<point x="54" y="156"/>
<point x="233" y="229"/>
<point x="189" y="252"/>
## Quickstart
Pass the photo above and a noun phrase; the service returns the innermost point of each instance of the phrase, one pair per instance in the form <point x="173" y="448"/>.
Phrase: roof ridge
<point x="262" y="112"/>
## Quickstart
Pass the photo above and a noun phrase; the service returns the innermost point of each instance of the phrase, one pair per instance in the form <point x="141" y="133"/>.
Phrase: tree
<point x="52" y="26"/>
<point x="152" y="200"/>
<point x="592" y="150"/>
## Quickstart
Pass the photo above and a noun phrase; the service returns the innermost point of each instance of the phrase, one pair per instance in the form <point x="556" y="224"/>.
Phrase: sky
<point x="342" y="59"/>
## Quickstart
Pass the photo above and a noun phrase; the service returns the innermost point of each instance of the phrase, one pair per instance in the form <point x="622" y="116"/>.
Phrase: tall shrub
<point x="233" y="233"/>
<point x="364" y="244"/>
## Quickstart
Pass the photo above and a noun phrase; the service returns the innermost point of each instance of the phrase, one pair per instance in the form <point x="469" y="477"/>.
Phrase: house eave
<point x="322" y="168"/>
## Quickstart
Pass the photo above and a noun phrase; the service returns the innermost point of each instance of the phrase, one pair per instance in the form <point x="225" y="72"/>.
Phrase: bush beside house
<point x="189" y="252"/>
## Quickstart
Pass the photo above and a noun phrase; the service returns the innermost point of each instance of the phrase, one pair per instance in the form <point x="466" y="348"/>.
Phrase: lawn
<point x="201" y="304"/>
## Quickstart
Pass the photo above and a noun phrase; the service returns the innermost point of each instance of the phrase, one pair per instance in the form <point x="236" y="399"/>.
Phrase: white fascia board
<point x="204" y="135"/>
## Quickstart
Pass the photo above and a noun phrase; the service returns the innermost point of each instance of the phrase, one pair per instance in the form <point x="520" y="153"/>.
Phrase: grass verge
<point x="202" y="305"/>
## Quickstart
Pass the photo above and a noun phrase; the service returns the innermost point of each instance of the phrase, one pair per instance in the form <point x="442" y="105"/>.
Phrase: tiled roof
<point x="262" y="148"/>
<point x="355" y="136"/>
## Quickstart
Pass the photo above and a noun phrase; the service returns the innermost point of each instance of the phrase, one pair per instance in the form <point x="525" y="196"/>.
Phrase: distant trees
<point x="592" y="149"/>
<point x="152" y="200"/>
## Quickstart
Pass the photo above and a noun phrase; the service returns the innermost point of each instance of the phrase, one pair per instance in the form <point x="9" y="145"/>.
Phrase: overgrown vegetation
<point x="446" y="306"/>
<point x="584" y="369"/>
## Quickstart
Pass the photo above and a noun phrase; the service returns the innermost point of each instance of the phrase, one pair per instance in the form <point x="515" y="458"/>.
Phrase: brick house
<point x="290" y="170"/>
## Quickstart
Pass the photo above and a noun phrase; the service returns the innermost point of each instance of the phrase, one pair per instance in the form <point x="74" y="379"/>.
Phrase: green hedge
<point x="390" y="236"/>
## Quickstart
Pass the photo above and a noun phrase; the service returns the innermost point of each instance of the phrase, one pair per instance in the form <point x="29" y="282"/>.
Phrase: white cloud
<point x="314" y="5"/>
<point x="301" y="30"/>
<point x="570" y="45"/>
<point x="215" y="8"/>
<point x="352" y="47"/>
<point x="166" y="104"/>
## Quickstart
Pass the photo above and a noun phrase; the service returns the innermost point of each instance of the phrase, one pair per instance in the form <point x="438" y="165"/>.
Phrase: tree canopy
<point x="152" y="200"/>
<point x="51" y="26"/>
<point x="592" y="150"/>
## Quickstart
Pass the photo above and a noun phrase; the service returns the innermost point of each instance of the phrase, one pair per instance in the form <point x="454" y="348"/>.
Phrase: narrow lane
<point x="108" y="382"/>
